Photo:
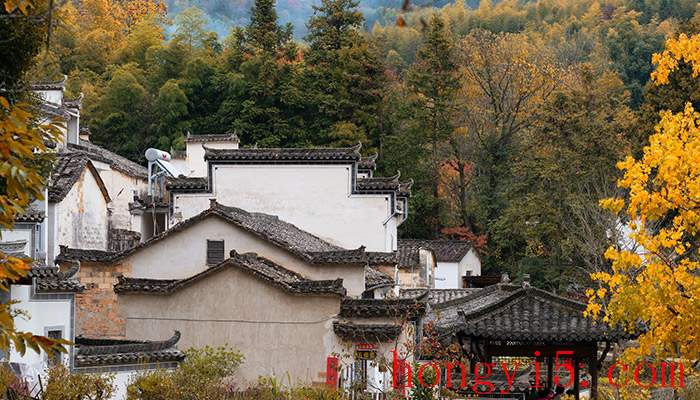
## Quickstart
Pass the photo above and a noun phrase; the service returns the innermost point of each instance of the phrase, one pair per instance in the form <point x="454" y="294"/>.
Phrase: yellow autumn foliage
<point x="658" y="286"/>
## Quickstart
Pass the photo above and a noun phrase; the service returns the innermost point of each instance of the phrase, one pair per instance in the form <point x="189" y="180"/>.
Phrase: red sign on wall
<point x="332" y="372"/>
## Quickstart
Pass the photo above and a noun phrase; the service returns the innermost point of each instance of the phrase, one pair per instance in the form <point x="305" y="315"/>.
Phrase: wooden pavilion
<point x="523" y="321"/>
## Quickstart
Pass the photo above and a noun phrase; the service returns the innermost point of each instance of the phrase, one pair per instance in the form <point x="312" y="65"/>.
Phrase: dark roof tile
<point x="444" y="250"/>
<point x="368" y="162"/>
<point x="249" y="262"/>
<point x="291" y="154"/>
<point x="390" y="307"/>
<point x="212" y="138"/>
<point x="367" y="332"/>
<point x="510" y="312"/>
<point x="375" y="279"/>
<point x="104" y="352"/>
<point x="122" y="164"/>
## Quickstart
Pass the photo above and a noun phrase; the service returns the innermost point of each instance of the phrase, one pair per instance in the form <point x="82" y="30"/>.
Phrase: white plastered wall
<point x="55" y="314"/>
<point x="316" y="198"/>
<point x="82" y="216"/>
<point x="278" y="332"/>
<point x="183" y="254"/>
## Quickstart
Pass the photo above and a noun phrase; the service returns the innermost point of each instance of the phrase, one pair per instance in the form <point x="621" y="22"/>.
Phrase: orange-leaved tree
<point x="658" y="286"/>
<point x="23" y="142"/>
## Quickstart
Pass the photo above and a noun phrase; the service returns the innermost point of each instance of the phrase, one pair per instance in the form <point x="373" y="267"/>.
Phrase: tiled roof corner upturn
<point x="93" y="352"/>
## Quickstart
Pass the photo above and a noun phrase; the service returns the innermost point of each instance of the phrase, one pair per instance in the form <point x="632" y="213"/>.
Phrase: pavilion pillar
<point x="593" y="370"/>
<point x="577" y="387"/>
<point x="550" y="373"/>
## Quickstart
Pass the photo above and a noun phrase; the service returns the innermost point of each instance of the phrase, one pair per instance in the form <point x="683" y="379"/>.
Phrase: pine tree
<point x="344" y="73"/>
<point x="432" y="82"/>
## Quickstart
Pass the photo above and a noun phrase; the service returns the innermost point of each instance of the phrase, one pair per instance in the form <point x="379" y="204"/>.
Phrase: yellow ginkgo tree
<point x="23" y="141"/>
<point x="658" y="286"/>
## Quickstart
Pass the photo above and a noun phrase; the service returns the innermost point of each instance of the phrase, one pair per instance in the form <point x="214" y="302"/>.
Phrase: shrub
<point x="64" y="385"/>
<point x="200" y="376"/>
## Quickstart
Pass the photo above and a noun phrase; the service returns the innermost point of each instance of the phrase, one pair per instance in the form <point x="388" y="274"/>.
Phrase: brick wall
<point x="96" y="312"/>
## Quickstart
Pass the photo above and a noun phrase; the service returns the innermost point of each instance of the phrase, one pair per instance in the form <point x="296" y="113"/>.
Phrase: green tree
<point x="566" y="164"/>
<point x="427" y="112"/>
<point x="261" y="99"/>
<point x="343" y="72"/>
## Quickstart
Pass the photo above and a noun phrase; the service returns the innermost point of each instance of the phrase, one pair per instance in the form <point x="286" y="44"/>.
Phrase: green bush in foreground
<point x="64" y="385"/>
<point x="200" y="376"/>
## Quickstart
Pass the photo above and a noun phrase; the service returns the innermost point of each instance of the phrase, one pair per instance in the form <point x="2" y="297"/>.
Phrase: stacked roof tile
<point x="367" y="332"/>
<point x="50" y="279"/>
<point x="291" y="154"/>
<point x="510" y="312"/>
<point x="250" y="262"/>
<point x="122" y="164"/>
<point x="107" y="352"/>
<point x="444" y="250"/>
<point x="212" y="138"/>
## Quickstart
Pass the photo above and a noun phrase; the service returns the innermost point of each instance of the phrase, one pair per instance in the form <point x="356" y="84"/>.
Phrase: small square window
<point x="215" y="251"/>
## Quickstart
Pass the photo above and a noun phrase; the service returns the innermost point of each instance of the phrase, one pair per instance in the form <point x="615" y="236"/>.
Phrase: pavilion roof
<point x="522" y="313"/>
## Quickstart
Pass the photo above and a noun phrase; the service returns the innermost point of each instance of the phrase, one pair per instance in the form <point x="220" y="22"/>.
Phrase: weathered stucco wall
<point x="82" y="216"/>
<point x="183" y="254"/>
<point x="316" y="198"/>
<point x="121" y="188"/>
<point x="96" y="308"/>
<point x="276" y="331"/>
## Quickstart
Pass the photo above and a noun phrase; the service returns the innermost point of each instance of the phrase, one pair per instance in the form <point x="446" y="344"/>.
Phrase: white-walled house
<point x="48" y="298"/>
<point x="326" y="191"/>
<point x="441" y="264"/>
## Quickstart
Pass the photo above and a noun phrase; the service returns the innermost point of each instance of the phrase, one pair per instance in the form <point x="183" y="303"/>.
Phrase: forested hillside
<point x="509" y="117"/>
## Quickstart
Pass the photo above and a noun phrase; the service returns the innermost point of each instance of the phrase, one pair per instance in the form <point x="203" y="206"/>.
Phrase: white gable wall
<point x="183" y="254"/>
<point x="121" y="188"/>
<point x="316" y="198"/>
<point x="82" y="216"/>
<point x="470" y="262"/>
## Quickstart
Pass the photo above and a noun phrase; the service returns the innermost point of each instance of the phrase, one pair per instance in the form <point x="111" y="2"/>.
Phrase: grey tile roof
<point x="51" y="280"/>
<point x="122" y="164"/>
<point x="375" y="279"/>
<point x="212" y="138"/>
<point x="268" y="227"/>
<point x="444" y="250"/>
<point x="510" y="312"/>
<point x="367" y="332"/>
<point x="291" y="154"/>
<point x="189" y="183"/>
<point x="49" y="85"/>
<point x="85" y="255"/>
<point x="379" y="184"/>
<point x="389" y="307"/>
<point x="30" y="214"/>
<point x="249" y="262"/>
<point x="92" y="352"/>
<point x="54" y="110"/>
<point x="368" y="162"/>
<point x="67" y="170"/>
